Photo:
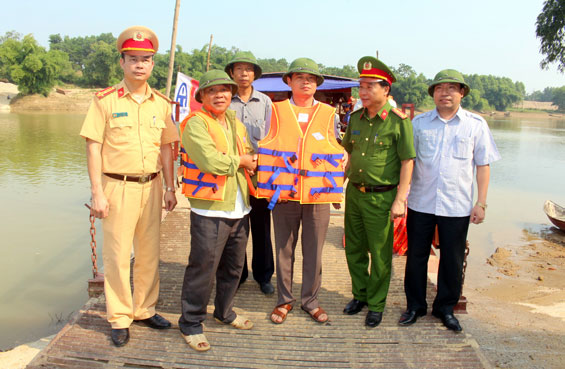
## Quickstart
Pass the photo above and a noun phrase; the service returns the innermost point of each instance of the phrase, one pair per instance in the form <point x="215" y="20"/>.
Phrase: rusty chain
<point x="464" y="265"/>
<point x="94" y="256"/>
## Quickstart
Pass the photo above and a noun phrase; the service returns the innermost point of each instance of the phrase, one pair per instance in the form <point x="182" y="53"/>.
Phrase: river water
<point x="45" y="241"/>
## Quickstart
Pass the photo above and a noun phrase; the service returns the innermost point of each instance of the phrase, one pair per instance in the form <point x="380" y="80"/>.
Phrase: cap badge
<point x="138" y="36"/>
<point x="367" y="65"/>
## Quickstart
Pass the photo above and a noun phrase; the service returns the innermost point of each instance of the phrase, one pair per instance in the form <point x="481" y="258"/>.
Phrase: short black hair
<point x="384" y="84"/>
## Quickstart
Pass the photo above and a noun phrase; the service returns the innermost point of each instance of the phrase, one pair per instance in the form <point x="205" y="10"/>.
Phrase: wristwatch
<point x="481" y="205"/>
<point x="170" y="189"/>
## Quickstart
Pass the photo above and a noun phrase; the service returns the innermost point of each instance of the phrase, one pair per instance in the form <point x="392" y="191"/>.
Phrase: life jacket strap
<point x="200" y="184"/>
<point x="315" y="191"/>
<point x="330" y="158"/>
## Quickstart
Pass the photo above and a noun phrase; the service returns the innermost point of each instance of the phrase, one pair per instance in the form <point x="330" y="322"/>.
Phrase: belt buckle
<point x="144" y="179"/>
<point x="362" y="189"/>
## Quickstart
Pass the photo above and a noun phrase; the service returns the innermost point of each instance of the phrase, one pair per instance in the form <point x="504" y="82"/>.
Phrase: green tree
<point x="559" y="97"/>
<point x="550" y="29"/>
<point x="273" y="65"/>
<point x="79" y="50"/>
<point x="409" y="86"/>
<point x="348" y="71"/>
<point x="29" y="66"/>
<point x="101" y="66"/>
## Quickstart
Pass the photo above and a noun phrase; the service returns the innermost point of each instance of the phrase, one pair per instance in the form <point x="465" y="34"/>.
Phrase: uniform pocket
<point x="427" y="145"/>
<point x="381" y="149"/>
<point x="120" y="130"/>
<point x="462" y="148"/>
<point x="258" y="129"/>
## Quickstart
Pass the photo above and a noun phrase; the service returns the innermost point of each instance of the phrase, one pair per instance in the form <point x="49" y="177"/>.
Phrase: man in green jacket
<point x="215" y="180"/>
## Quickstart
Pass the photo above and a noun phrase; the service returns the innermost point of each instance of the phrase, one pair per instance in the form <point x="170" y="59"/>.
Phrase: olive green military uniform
<point x="376" y="146"/>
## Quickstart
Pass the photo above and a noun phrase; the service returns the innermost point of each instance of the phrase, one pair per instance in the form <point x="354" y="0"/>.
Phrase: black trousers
<point x="262" y="263"/>
<point x="217" y="249"/>
<point x="452" y="239"/>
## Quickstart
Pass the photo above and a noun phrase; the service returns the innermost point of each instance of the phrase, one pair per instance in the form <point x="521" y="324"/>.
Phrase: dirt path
<point x="517" y="313"/>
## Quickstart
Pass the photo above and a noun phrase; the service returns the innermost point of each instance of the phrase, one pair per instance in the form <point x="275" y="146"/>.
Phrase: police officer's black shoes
<point x="449" y="321"/>
<point x="120" y="336"/>
<point x="410" y="317"/>
<point x="156" y="322"/>
<point x="354" y="306"/>
<point x="267" y="288"/>
<point x="373" y="318"/>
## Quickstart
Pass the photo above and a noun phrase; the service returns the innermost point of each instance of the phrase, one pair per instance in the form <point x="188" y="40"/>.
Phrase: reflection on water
<point x="45" y="229"/>
<point x="45" y="259"/>
<point x="531" y="171"/>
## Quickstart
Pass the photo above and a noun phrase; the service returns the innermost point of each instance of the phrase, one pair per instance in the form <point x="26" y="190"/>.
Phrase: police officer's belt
<point x="142" y="179"/>
<point x="364" y="189"/>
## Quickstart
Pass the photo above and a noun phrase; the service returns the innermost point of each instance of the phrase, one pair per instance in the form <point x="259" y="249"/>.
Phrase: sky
<point x="495" y="37"/>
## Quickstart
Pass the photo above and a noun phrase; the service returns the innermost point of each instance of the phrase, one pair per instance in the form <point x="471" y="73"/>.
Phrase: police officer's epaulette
<point x="105" y="92"/>
<point x="399" y="113"/>
<point x="158" y="93"/>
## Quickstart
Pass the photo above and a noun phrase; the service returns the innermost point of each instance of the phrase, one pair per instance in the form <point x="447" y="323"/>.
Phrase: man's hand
<point x="100" y="206"/>
<point x="248" y="161"/>
<point x="397" y="210"/>
<point x="170" y="200"/>
<point x="477" y="215"/>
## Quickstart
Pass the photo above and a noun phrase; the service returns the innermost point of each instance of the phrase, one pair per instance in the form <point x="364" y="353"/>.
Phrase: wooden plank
<point x="343" y="342"/>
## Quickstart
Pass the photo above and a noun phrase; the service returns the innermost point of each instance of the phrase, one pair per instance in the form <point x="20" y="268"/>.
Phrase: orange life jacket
<point x="207" y="186"/>
<point x="293" y="164"/>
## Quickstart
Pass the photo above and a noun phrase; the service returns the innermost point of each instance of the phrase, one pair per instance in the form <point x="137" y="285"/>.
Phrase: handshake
<point x="249" y="162"/>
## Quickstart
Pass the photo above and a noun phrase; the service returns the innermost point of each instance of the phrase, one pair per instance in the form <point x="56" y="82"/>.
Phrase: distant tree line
<point x="554" y="94"/>
<point x="92" y="61"/>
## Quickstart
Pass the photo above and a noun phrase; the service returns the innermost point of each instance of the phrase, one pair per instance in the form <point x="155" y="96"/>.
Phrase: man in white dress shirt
<point x="450" y="144"/>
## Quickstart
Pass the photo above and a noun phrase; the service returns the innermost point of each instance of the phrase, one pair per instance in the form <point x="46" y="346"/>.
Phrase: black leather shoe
<point x="373" y="319"/>
<point x="449" y="321"/>
<point x="120" y="336"/>
<point x="156" y="322"/>
<point x="354" y="306"/>
<point x="410" y="317"/>
<point x="267" y="288"/>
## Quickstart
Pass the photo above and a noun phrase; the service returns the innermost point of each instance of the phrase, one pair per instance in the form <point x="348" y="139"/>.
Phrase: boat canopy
<point x="272" y="82"/>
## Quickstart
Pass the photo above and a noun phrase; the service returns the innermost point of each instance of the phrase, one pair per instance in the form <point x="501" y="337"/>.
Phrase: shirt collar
<point x="313" y="102"/>
<point x="251" y="97"/>
<point x="383" y="113"/>
<point x="123" y="90"/>
<point x="458" y="114"/>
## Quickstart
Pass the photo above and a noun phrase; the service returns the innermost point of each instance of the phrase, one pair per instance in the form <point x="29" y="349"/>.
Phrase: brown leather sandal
<point x="317" y="314"/>
<point x="281" y="314"/>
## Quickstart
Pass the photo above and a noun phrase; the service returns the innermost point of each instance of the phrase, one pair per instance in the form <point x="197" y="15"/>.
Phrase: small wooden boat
<point x="555" y="213"/>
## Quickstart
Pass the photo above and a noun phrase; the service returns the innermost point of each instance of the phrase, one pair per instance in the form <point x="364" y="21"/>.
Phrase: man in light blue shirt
<point x="253" y="108"/>
<point x="450" y="144"/>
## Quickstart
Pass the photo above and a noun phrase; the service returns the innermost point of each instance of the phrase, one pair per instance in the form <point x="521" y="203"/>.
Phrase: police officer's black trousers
<point x="452" y="233"/>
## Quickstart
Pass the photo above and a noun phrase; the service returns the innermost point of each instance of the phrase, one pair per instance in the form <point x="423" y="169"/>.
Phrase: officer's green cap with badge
<point x="244" y="57"/>
<point x="369" y="66"/>
<point x="304" y="65"/>
<point x="215" y="77"/>
<point x="449" y="76"/>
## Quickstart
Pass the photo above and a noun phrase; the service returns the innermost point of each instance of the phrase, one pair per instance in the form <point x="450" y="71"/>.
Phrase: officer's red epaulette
<point x="158" y="93"/>
<point x="105" y="92"/>
<point x="399" y="113"/>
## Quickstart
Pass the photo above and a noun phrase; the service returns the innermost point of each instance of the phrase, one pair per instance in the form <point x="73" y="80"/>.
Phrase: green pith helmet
<point x="369" y="66"/>
<point x="215" y="77"/>
<point x="448" y="76"/>
<point x="244" y="57"/>
<point x="304" y="65"/>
